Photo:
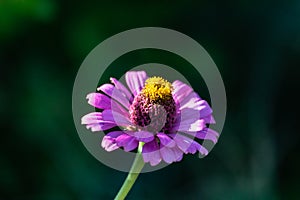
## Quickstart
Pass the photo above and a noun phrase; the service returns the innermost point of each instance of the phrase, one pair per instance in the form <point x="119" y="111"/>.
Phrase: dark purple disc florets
<point x="153" y="115"/>
<point x="154" y="108"/>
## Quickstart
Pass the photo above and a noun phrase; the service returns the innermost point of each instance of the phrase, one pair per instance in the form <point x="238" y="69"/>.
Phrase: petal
<point x="188" y="145"/>
<point x="188" y="115"/>
<point x="102" y="101"/>
<point x="114" y="93"/>
<point x="193" y="126"/>
<point x="144" y="136"/>
<point x="183" y="143"/>
<point x="206" y="134"/>
<point x="192" y="96"/>
<point x="100" y="126"/>
<point x="118" y="108"/>
<point x="199" y="111"/>
<point x="128" y="142"/>
<point x="119" y="119"/>
<point x="204" y="108"/>
<point x="151" y="153"/>
<point x="93" y="117"/>
<point x="209" y="119"/>
<point x="181" y="90"/>
<point x="135" y="80"/>
<point x="108" y="141"/>
<point x="202" y="150"/>
<point x="165" y="140"/>
<point x="121" y="88"/>
<point x="201" y="105"/>
<point x="99" y="100"/>
<point x="95" y="122"/>
<point x="170" y="155"/>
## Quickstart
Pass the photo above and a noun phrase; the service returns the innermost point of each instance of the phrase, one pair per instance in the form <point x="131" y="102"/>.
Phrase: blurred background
<point x="255" y="44"/>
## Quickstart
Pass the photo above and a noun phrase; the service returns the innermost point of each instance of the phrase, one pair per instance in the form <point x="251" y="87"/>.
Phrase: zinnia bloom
<point x="164" y="116"/>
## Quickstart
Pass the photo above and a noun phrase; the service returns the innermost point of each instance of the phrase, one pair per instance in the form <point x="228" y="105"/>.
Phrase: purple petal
<point x="183" y="143"/>
<point x="118" y="108"/>
<point x="128" y="142"/>
<point x="191" y="115"/>
<point x="151" y="153"/>
<point x="100" y="126"/>
<point x="197" y="104"/>
<point x="144" y="136"/>
<point x="181" y="90"/>
<point x="191" y="96"/>
<point x="188" y="145"/>
<point x="206" y="134"/>
<point x="170" y="155"/>
<point x="204" y="108"/>
<point x="119" y="119"/>
<point x="93" y="117"/>
<point x="99" y="100"/>
<point x="121" y="87"/>
<point x="192" y="126"/>
<point x="209" y="119"/>
<point x="102" y="101"/>
<point x="188" y="116"/>
<point x="135" y="80"/>
<point x="95" y="122"/>
<point x="108" y="141"/>
<point x="202" y="150"/>
<point x="114" y="93"/>
<point x="165" y="140"/>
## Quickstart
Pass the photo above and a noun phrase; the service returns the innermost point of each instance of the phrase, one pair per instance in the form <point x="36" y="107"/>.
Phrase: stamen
<point x="157" y="88"/>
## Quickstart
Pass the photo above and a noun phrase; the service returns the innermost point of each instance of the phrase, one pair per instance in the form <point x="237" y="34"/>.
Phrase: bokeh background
<point x="255" y="44"/>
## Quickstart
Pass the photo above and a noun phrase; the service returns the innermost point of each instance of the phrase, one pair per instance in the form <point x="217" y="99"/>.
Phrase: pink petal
<point x="144" y="136"/>
<point x="99" y="100"/>
<point x="95" y="122"/>
<point x="181" y="90"/>
<point x="102" y="101"/>
<point x="108" y="141"/>
<point x="90" y="118"/>
<point x="100" y="126"/>
<point x="206" y="134"/>
<point x="118" y="108"/>
<point x="188" y="116"/>
<point x="170" y="155"/>
<point x="192" y="126"/>
<point x="200" y="105"/>
<point x="119" y="119"/>
<point x="121" y="87"/>
<point x="151" y="153"/>
<point x="188" y="145"/>
<point x="128" y="142"/>
<point x="114" y="93"/>
<point x="136" y="80"/>
<point x="209" y="119"/>
<point x="165" y="140"/>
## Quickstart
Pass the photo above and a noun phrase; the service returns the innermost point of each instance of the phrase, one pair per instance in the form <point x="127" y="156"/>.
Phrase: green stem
<point x="135" y="170"/>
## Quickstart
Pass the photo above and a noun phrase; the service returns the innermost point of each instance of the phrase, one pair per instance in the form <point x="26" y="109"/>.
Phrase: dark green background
<point x="255" y="44"/>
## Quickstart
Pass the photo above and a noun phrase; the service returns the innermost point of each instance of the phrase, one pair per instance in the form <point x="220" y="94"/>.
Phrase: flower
<point x="161" y="115"/>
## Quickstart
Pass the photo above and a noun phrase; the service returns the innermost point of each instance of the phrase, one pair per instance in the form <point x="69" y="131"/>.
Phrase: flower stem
<point x="134" y="172"/>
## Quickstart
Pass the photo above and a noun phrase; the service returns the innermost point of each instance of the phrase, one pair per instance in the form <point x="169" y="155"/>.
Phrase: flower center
<point x="157" y="88"/>
<point x="154" y="108"/>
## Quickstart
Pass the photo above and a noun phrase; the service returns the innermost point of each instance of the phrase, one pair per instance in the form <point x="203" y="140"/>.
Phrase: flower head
<point x="162" y="115"/>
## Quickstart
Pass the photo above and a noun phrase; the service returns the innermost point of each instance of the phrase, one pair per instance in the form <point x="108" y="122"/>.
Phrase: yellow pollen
<point x="157" y="88"/>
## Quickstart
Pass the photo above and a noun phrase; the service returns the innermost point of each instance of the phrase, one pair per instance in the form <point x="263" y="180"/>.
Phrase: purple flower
<point x="163" y="116"/>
